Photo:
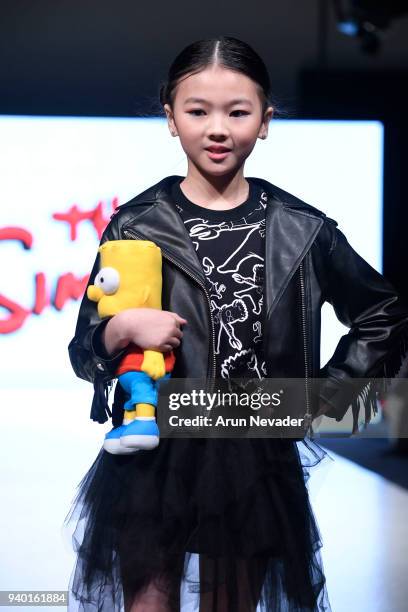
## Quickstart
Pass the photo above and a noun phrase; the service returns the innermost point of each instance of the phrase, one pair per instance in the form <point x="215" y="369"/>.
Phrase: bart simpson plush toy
<point x="131" y="277"/>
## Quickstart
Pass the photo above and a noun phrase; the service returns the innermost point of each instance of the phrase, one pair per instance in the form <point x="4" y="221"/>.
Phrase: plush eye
<point x="108" y="280"/>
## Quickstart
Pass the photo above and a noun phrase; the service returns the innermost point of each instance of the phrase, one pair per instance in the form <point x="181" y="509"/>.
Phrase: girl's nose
<point x="217" y="127"/>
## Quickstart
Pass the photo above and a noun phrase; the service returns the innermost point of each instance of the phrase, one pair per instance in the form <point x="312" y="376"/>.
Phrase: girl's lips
<point x="214" y="155"/>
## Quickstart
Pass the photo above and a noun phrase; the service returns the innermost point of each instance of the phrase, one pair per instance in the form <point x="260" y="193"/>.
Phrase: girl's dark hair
<point x="225" y="51"/>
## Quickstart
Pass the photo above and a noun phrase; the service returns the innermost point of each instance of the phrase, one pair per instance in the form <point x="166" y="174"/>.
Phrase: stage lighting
<point x="367" y="20"/>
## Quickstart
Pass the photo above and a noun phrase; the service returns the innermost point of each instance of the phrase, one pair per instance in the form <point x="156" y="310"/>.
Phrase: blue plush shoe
<point x="141" y="434"/>
<point x="112" y="442"/>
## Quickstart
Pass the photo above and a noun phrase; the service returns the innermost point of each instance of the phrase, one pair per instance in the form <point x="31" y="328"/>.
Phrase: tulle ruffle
<point x="237" y="510"/>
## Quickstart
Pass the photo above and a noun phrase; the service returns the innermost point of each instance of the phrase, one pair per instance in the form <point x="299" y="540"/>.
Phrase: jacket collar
<point x="291" y="227"/>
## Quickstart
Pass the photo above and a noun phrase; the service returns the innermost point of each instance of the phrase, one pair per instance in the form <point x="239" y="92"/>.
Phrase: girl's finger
<point x="180" y="319"/>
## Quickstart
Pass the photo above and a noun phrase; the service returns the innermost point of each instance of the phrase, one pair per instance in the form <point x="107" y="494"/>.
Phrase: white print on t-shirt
<point x="243" y="270"/>
<point x="245" y="357"/>
<point x="225" y="316"/>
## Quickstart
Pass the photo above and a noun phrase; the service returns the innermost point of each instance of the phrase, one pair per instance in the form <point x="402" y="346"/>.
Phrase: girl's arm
<point x="148" y="328"/>
<point x="377" y="342"/>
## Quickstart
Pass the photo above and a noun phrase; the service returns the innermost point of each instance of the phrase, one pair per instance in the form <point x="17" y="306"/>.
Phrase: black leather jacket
<point x="308" y="261"/>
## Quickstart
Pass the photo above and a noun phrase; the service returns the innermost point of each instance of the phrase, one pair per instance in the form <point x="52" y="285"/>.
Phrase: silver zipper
<point x="138" y="235"/>
<point x="308" y="414"/>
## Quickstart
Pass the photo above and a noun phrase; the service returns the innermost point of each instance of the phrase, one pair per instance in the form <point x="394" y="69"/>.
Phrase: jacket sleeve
<point x="377" y="342"/>
<point x="87" y="353"/>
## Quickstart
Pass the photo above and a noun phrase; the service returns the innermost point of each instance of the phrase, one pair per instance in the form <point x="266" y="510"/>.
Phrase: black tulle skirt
<point x="237" y="510"/>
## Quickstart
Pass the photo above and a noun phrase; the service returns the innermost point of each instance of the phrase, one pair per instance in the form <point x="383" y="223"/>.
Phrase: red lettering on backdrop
<point x="98" y="220"/>
<point x="16" y="314"/>
<point x="19" y="234"/>
<point x="74" y="216"/>
<point x="115" y="203"/>
<point x="16" y="318"/>
<point x="42" y="298"/>
<point x="69" y="287"/>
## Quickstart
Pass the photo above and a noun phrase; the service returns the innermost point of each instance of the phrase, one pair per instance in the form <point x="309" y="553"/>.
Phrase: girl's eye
<point x="199" y="110"/>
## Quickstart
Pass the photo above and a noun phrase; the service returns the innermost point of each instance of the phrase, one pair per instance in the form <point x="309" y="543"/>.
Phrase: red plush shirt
<point x="133" y="359"/>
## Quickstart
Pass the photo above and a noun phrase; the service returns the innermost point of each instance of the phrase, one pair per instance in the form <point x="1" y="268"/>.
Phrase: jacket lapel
<point x="289" y="234"/>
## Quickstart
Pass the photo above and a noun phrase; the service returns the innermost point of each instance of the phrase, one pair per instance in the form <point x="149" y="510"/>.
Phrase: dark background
<point x="108" y="58"/>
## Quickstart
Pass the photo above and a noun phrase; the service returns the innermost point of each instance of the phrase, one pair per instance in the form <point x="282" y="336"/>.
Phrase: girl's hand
<point x="148" y="328"/>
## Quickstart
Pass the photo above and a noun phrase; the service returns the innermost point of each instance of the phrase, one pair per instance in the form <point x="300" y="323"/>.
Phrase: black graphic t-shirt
<point x="230" y="246"/>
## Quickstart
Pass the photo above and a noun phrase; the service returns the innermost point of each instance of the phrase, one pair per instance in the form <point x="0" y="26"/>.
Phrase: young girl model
<point x="246" y="269"/>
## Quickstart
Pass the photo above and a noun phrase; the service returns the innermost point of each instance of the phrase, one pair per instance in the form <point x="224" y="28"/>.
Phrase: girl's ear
<point x="263" y="132"/>
<point x="170" y="120"/>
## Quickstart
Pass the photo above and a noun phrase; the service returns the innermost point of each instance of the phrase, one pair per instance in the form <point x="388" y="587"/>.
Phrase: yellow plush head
<point x="130" y="276"/>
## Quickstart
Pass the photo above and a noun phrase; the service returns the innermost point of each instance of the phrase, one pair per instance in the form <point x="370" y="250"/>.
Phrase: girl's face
<point x="217" y="106"/>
